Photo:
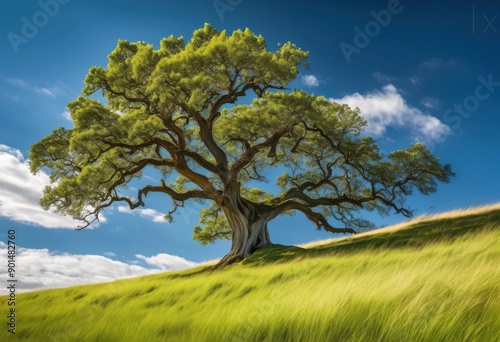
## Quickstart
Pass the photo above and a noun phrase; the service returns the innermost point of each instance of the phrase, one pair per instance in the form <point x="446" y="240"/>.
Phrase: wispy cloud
<point x="415" y="80"/>
<point x="50" y="91"/>
<point x="386" y="108"/>
<point x="310" y="80"/>
<point x="4" y="94"/>
<point x="429" y="102"/>
<point x="20" y="192"/>
<point x="19" y="83"/>
<point x="46" y="91"/>
<point x="384" y="78"/>
<point x="435" y="63"/>
<point x="151" y="214"/>
<point x="48" y="269"/>
<point x="151" y="178"/>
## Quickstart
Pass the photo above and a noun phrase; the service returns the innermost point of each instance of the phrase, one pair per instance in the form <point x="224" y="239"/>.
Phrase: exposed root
<point x="228" y="260"/>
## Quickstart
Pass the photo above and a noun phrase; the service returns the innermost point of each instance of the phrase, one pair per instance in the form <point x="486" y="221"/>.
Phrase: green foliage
<point x="175" y="109"/>
<point x="149" y="94"/>
<point x="436" y="280"/>
<point x="214" y="225"/>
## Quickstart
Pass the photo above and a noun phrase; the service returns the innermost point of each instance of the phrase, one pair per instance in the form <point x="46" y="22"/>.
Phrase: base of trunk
<point x="249" y="233"/>
<point x="229" y="259"/>
<point x="243" y="253"/>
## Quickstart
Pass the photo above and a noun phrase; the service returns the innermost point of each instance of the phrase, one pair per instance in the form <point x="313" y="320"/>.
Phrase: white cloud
<point x="41" y="268"/>
<point x="12" y="151"/>
<point x="20" y="192"/>
<point x="110" y="254"/>
<point x="119" y="112"/>
<point x="67" y="115"/>
<point x="156" y="216"/>
<point x="167" y="262"/>
<point x="386" y="108"/>
<point x="124" y="209"/>
<point x="310" y="81"/>
<point x="152" y="214"/>
<point x="102" y="218"/>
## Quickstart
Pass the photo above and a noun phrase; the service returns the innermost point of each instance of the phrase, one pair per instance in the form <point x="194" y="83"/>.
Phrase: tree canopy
<point x="175" y="109"/>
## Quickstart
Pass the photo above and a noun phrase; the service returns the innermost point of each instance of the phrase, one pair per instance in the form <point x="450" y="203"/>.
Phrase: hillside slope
<point x="432" y="279"/>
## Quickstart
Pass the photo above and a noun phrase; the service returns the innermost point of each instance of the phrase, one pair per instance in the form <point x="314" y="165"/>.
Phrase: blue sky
<point x="419" y="71"/>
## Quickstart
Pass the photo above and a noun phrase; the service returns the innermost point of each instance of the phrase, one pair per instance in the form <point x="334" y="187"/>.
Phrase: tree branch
<point x="250" y="153"/>
<point x="316" y="218"/>
<point x="296" y="194"/>
<point x="206" y="135"/>
<point x="141" y="193"/>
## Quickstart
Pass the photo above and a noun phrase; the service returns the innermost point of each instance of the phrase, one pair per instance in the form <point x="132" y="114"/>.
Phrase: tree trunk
<point x="248" y="225"/>
<point x="249" y="233"/>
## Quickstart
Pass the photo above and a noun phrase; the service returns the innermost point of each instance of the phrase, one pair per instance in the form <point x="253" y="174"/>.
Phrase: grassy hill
<point x="432" y="279"/>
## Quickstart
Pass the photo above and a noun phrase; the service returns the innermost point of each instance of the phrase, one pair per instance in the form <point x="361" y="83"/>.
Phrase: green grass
<point x="436" y="279"/>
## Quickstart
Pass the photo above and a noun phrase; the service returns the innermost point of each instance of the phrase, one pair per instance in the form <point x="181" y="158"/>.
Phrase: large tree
<point x="174" y="109"/>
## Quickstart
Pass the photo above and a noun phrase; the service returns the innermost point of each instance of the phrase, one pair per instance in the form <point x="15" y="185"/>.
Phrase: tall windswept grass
<point x="452" y="214"/>
<point x="436" y="279"/>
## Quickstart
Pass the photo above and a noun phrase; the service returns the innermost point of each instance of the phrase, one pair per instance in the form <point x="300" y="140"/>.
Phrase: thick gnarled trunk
<point x="249" y="233"/>
<point x="248" y="225"/>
